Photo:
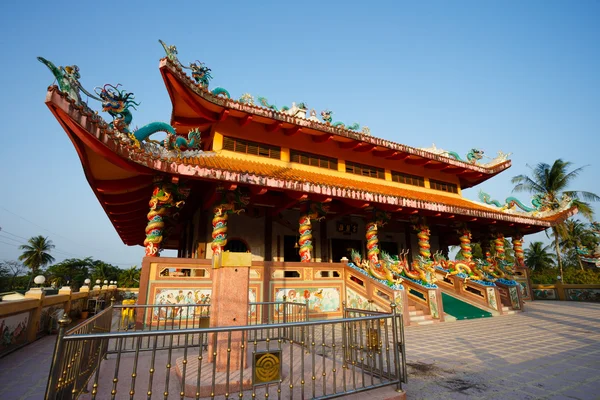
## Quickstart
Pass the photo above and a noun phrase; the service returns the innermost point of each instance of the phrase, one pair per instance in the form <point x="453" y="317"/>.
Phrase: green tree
<point x="130" y="278"/>
<point x="551" y="182"/>
<point x="36" y="254"/>
<point x="104" y="271"/>
<point x="577" y="234"/>
<point x="72" y="270"/>
<point x="539" y="257"/>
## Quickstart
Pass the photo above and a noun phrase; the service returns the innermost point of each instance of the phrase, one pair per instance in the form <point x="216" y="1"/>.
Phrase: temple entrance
<point x="291" y="250"/>
<point x="342" y="248"/>
<point x="236" y="246"/>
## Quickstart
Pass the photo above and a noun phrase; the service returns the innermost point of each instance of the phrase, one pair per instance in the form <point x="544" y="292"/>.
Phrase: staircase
<point x="460" y="309"/>
<point x="418" y="317"/>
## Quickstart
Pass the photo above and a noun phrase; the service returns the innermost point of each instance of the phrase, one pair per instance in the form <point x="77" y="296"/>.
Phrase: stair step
<point x="415" y="313"/>
<point x="416" y="318"/>
<point x="428" y="322"/>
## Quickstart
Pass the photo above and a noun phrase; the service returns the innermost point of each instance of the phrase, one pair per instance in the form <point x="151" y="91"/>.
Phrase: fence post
<point x="55" y="372"/>
<point x="396" y="344"/>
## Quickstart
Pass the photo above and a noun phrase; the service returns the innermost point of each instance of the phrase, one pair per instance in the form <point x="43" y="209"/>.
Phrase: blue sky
<point x="521" y="77"/>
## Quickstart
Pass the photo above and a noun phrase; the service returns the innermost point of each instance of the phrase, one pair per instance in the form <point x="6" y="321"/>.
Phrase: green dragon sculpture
<point x="510" y="202"/>
<point x="118" y="104"/>
<point x="68" y="80"/>
<point x="200" y="72"/>
<point x="473" y="156"/>
<point x="328" y="117"/>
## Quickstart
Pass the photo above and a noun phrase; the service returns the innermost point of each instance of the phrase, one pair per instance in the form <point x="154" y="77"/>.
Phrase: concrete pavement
<point x="551" y="351"/>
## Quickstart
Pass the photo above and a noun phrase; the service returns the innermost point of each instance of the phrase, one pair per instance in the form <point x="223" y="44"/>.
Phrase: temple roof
<point x="194" y="105"/>
<point x="122" y="175"/>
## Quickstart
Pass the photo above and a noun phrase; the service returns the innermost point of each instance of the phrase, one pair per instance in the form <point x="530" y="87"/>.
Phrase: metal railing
<point x="325" y="359"/>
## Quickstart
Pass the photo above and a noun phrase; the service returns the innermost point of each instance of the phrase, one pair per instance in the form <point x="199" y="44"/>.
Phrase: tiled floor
<point x="551" y="351"/>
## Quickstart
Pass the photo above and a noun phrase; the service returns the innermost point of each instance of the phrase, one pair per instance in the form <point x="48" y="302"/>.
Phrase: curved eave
<point x="195" y="106"/>
<point x="124" y="194"/>
<point x="122" y="187"/>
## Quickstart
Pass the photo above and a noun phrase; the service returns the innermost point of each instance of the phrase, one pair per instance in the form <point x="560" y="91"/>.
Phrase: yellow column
<point x="285" y="154"/>
<point x="342" y="165"/>
<point x="218" y="142"/>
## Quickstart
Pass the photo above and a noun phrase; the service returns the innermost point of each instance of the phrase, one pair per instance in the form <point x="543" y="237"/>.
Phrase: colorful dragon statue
<point x="422" y="269"/>
<point x="231" y="202"/>
<point x="200" y="73"/>
<point x="164" y="198"/>
<point x="517" y="242"/>
<point x="118" y="103"/>
<point x="179" y="143"/>
<point x="537" y="202"/>
<point x="265" y="103"/>
<point x="379" y="218"/>
<point x="68" y="80"/>
<point x="473" y="156"/>
<point x="379" y="270"/>
<point x="328" y="117"/>
<point x="309" y="211"/>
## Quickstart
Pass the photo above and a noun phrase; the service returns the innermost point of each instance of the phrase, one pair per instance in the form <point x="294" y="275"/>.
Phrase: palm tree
<point x="551" y="181"/>
<point x="36" y="254"/>
<point x="130" y="277"/>
<point x="538" y="256"/>
<point x="576" y="234"/>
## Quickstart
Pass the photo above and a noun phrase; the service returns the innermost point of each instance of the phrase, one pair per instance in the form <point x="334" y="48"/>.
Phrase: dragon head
<point x="477" y="154"/>
<point x="200" y="73"/>
<point x="115" y="101"/>
<point x="327" y="116"/>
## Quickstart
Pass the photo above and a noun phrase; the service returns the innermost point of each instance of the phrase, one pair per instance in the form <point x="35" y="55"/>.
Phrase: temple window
<point x="443" y="186"/>
<point x="408" y="179"/>
<point x="254" y="148"/>
<point x="313" y="160"/>
<point x="327" y="274"/>
<point x="365" y="170"/>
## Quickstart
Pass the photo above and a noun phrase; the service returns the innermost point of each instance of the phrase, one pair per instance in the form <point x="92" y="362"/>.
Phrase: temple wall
<point x="324" y="285"/>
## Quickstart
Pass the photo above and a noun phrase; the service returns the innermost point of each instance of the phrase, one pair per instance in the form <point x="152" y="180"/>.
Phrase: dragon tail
<point x="454" y="155"/>
<point x="146" y="131"/>
<point x="219" y="91"/>
<point x="265" y="103"/>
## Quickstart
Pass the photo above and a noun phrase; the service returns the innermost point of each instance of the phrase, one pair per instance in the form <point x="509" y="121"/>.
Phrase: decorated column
<point x="499" y="245"/>
<point x="379" y="218"/>
<point x="465" y="243"/>
<point x="166" y="197"/>
<point x="308" y="211"/>
<point x="229" y="202"/>
<point x="517" y="242"/>
<point x="423" y="234"/>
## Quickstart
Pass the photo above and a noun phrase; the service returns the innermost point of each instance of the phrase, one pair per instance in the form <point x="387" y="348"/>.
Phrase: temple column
<point x="517" y="242"/>
<point x="499" y="245"/>
<point x="423" y="234"/>
<point x="230" y="202"/>
<point x="308" y="211"/>
<point x="465" y="243"/>
<point x="166" y="197"/>
<point x="379" y="218"/>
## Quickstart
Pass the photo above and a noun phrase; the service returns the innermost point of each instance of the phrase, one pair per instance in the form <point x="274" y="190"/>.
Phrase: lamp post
<point x="39" y="280"/>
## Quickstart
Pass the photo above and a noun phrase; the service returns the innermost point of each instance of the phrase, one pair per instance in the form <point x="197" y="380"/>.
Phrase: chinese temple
<point x="327" y="212"/>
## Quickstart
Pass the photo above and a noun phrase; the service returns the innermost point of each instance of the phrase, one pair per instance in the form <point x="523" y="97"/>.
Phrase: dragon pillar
<point x="499" y="245"/>
<point x="380" y="218"/>
<point x="423" y="234"/>
<point x="308" y="212"/>
<point x="517" y="242"/>
<point x="465" y="243"/>
<point x="165" y="197"/>
<point x="231" y="202"/>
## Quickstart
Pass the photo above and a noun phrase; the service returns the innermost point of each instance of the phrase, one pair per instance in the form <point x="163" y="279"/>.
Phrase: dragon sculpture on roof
<point x="200" y="72"/>
<point x="68" y="80"/>
<point x="119" y="103"/>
